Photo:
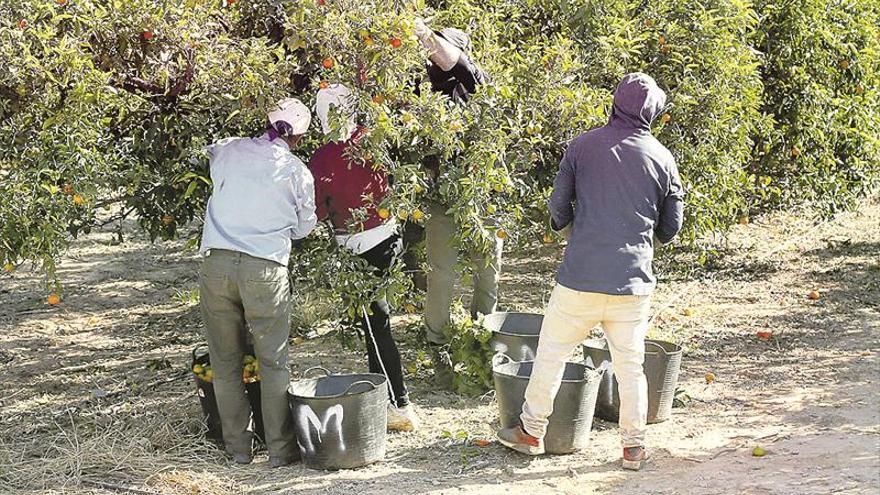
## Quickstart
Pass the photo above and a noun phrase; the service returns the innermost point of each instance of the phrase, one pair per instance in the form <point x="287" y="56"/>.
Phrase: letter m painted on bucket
<point x="320" y="432"/>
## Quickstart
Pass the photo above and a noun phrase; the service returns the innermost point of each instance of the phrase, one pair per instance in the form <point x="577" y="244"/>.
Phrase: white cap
<point x="291" y="117"/>
<point x="339" y="96"/>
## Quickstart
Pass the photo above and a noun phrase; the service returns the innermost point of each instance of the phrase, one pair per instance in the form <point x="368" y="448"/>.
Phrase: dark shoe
<point x="634" y="458"/>
<point x="277" y="462"/>
<point x="242" y="458"/>
<point x="517" y="439"/>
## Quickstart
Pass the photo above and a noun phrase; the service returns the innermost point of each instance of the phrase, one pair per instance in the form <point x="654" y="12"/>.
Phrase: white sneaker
<point x="402" y="418"/>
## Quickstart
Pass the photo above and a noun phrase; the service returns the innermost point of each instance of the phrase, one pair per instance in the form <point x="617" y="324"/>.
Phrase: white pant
<point x="570" y="316"/>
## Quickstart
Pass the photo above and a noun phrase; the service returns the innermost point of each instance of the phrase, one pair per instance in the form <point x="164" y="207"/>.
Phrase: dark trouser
<point x="382" y="353"/>
<point x="238" y="290"/>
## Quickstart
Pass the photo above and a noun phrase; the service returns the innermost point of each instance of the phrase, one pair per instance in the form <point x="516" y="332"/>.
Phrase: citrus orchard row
<point x="105" y="113"/>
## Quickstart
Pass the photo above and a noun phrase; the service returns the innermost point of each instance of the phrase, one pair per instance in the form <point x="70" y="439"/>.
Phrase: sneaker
<point x="277" y="462"/>
<point x="517" y="439"/>
<point x="634" y="458"/>
<point x="402" y="418"/>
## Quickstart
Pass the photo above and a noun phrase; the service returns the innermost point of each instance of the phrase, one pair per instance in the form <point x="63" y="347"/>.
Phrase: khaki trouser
<point x="569" y="318"/>
<point x="238" y="289"/>
<point x="442" y="254"/>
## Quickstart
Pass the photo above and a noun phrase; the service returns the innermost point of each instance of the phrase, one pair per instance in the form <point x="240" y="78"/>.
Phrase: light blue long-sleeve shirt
<point x="263" y="196"/>
<point x="627" y="190"/>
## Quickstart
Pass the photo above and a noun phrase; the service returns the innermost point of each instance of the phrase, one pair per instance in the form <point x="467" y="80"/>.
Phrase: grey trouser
<point x="442" y="254"/>
<point x="236" y="289"/>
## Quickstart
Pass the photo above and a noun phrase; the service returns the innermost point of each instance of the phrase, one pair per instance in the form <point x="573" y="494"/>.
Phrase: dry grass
<point x="147" y="439"/>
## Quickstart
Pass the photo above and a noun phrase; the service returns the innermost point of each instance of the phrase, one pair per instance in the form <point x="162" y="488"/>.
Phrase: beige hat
<point x="291" y="117"/>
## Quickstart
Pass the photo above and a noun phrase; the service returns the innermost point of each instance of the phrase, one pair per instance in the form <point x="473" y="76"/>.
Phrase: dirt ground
<point x="96" y="397"/>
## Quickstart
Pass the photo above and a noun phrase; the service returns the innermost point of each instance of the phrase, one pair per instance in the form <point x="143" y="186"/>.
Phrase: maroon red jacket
<point x="342" y="185"/>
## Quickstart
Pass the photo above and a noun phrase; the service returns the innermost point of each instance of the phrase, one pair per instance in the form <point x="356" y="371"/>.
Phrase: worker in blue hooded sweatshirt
<point x="617" y="194"/>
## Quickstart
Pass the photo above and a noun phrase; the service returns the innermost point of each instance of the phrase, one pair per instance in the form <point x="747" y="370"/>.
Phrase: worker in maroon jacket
<point x="343" y="185"/>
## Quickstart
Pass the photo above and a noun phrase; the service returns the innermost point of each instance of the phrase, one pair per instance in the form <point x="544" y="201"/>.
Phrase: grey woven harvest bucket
<point x="572" y="418"/>
<point x="662" y="365"/>
<point x="340" y="420"/>
<point x="514" y="334"/>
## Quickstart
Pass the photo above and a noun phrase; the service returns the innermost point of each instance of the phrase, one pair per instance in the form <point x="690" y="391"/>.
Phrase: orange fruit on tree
<point x="383" y="213"/>
<point x="501" y="234"/>
<point x="764" y="334"/>
<point x="147" y="35"/>
<point x="395" y="42"/>
<point x="324" y="85"/>
<point x="61" y="2"/>
<point x="327" y="63"/>
<point x="53" y="299"/>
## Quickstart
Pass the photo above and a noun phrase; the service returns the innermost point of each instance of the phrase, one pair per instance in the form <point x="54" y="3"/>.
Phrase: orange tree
<point x="107" y="105"/>
<point x="821" y="75"/>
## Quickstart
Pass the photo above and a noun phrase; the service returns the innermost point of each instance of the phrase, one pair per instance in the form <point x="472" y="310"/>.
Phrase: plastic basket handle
<point x="658" y="346"/>
<point x="359" y="382"/>
<point x="319" y="368"/>
<point x="196" y="348"/>
<point x="500" y="358"/>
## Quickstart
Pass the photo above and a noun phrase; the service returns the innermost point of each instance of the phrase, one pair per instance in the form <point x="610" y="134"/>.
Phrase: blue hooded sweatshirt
<point x="619" y="188"/>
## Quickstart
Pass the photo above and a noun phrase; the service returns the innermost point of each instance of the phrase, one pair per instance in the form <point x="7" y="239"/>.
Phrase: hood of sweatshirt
<point x="637" y="102"/>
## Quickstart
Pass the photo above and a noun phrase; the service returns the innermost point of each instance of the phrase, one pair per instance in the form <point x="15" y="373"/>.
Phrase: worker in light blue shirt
<point x="263" y="197"/>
